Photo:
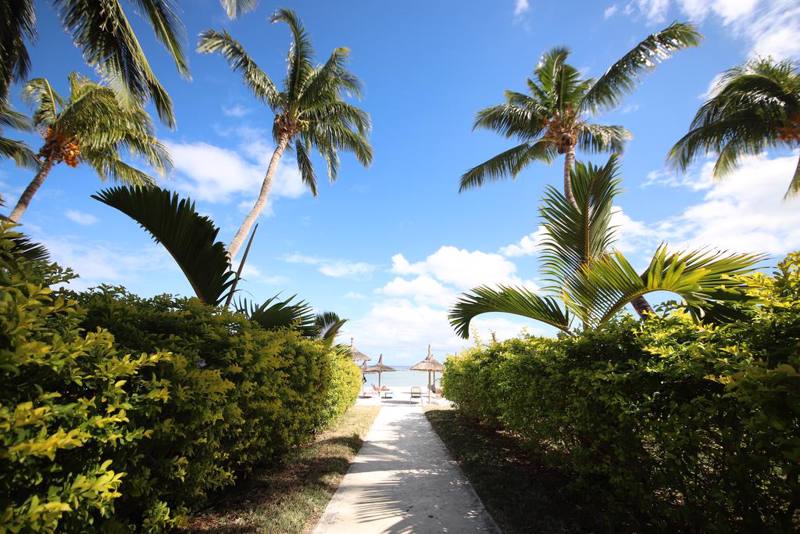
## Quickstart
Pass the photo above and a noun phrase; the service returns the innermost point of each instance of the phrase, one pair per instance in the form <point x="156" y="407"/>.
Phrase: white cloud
<point x="97" y="263"/>
<point x="527" y="246"/>
<point x="335" y="268"/>
<point x="743" y="212"/>
<point x="354" y="295"/>
<point x="521" y="7"/>
<point x="237" y="111"/>
<point x="696" y="181"/>
<point x="423" y="289"/>
<point x="770" y="26"/>
<point x="461" y="268"/>
<point x="80" y="217"/>
<point x="217" y="174"/>
<point x="407" y="328"/>
<point x="610" y="11"/>
<point x="251" y="273"/>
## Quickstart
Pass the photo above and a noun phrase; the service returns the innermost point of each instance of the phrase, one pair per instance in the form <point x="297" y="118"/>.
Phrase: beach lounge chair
<point x="387" y="393"/>
<point x="416" y="392"/>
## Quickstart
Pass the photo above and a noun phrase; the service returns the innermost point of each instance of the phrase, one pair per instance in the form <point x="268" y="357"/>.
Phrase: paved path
<point x="403" y="480"/>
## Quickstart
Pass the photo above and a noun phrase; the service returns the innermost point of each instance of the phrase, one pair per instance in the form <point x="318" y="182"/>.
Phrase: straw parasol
<point x="358" y="356"/>
<point x="431" y="365"/>
<point x="379" y="368"/>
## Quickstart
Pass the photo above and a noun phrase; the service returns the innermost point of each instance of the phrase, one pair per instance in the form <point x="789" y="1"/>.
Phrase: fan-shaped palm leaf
<point x="274" y="313"/>
<point x="189" y="237"/>
<point x="328" y="325"/>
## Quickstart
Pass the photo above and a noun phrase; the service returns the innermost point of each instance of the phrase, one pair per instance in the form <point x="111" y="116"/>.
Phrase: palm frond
<point x="577" y="234"/>
<point x="328" y="325"/>
<point x="512" y="120"/>
<point x="300" y="66"/>
<point x="14" y="119"/>
<point x="599" y="138"/>
<point x="273" y="314"/>
<point x="40" y="94"/>
<point x="17" y="24"/>
<point x="21" y="153"/>
<point x="701" y="278"/>
<point x="505" y="299"/>
<point x="188" y="236"/>
<point x="622" y="76"/>
<point x="256" y="79"/>
<point x="105" y="35"/>
<point x="305" y="167"/>
<point x="507" y="164"/>
<point x="234" y="8"/>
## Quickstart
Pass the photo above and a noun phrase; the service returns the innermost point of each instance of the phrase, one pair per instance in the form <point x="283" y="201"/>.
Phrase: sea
<point x="402" y="377"/>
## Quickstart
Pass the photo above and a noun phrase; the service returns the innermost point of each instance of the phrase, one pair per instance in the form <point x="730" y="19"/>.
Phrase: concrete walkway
<point x="403" y="480"/>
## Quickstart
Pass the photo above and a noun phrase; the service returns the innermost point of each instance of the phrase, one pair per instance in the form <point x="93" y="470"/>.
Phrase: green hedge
<point x="684" y="426"/>
<point x="126" y="413"/>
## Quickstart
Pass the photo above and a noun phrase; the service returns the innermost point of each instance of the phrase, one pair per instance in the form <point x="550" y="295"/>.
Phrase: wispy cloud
<point x="334" y="268"/>
<point x="610" y="11"/>
<point x="521" y="7"/>
<point x="80" y="217"/>
<point x="237" y="111"/>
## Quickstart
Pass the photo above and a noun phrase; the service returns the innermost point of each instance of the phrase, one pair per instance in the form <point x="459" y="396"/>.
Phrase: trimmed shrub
<point x="682" y="425"/>
<point x="119" y="413"/>
<point x="65" y="403"/>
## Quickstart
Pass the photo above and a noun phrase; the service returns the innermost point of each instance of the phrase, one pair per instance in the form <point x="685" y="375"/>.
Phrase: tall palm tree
<point x="90" y="127"/>
<point x="592" y="282"/>
<point x="756" y="106"/>
<point x="554" y="117"/>
<point x="104" y="34"/>
<point x="309" y="109"/>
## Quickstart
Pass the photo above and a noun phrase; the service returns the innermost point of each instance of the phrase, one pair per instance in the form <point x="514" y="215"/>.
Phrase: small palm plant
<point x="90" y="127"/>
<point x="588" y="280"/>
<point x="555" y="117"/>
<point x="756" y="106"/>
<point x="309" y="109"/>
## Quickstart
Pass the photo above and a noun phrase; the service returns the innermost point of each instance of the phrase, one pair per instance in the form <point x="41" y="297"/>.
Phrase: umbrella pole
<point x="429" y="387"/>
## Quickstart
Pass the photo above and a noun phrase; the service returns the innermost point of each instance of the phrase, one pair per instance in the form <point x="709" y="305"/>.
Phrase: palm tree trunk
<point x="569" y="161"/>
<point x="642" y="307"/>
<point x="27" y="195"/>
<point x="266" y="186"/>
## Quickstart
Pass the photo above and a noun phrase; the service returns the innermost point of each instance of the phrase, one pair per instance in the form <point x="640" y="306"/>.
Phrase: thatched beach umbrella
<point x="358" y="356"/>
<point x="379" y="368"/>
<point x="431" y="365"/>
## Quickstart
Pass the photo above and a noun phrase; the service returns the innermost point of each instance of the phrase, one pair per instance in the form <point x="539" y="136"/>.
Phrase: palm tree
<point x="105" y="36"/>
<point x="554" y="118"/>
<point x="756" y="106"/>
<point x="90" y="127"/>
<point x="328" y="325"/>
<point x="309" y="110"/>
<point x="593" y="282"/>
<point x="234" y="8"/>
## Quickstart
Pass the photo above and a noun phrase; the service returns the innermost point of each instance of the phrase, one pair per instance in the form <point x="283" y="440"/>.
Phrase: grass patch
<point x="291" y="498"/>
<point x="520" y="492"/>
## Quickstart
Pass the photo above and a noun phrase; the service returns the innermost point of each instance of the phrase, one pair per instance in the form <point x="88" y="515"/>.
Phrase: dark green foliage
<point x="188" y="236"/>
<point x="687" y="426"/>
<point x="133" y="411"/>
<point x="273" y="314"/>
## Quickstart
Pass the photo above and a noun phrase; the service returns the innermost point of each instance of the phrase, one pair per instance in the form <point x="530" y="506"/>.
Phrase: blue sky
<point x="389" y="247"/>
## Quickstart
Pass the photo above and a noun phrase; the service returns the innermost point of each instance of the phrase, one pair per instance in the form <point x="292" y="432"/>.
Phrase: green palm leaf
<point x="700" y="278"/>
<point x="328" y="325"/>
<point x="189" y="237"/>
<point x="505" y="299"/>
<point x="256" y="79"/>
<point x="508" y="163"/>
<point x="756" y="106"/>
<point x="234" y="8"/>
<point x="273" y="314"/>
<point x="622" y="76"/>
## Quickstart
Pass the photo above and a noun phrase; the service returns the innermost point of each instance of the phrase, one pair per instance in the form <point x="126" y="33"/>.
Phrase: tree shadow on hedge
<point x="520" y="492"/>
